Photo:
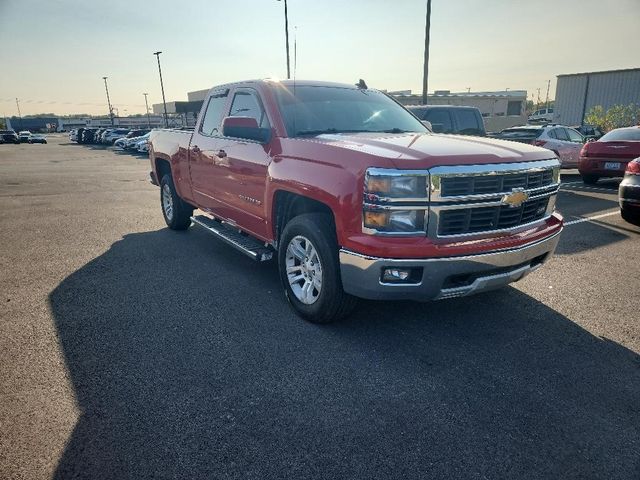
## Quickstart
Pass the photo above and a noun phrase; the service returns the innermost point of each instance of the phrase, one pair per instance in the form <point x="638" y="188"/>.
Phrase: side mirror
<point x="245" y="127"/>
<point x="427" y="124"/>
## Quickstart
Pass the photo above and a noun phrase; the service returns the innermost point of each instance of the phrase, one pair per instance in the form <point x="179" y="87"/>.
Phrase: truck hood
<point x="417" y="150"/>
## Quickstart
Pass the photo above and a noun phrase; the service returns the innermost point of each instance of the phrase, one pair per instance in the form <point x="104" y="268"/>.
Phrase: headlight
<point x="395" y="202"/>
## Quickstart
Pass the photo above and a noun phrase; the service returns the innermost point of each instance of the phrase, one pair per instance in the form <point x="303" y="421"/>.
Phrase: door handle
<point x="222" y="153"/>
<point x="196" y="149"/>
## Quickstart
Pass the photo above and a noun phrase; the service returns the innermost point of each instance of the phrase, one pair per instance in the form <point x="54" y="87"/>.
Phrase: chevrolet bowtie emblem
<point x="516" y="198"/>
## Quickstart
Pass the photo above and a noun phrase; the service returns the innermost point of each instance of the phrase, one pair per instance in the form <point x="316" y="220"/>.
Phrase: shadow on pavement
<point x="187" y="363"/>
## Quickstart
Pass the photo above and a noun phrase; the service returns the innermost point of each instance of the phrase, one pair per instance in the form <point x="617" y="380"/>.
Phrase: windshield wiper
<point x="328" y="131"/>
<point x="394" y="130"/>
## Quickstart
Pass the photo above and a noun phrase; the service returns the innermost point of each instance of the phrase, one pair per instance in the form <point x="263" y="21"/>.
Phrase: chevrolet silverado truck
<point x="354" y="197"/>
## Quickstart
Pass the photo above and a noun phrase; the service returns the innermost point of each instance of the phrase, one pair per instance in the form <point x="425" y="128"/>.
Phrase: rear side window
<point x="246" y="104"/>
<point x="213" y="115"/>
<point x="440" y="120"/>
<point x="574" y="136"/>
<point x="468" y="122"/>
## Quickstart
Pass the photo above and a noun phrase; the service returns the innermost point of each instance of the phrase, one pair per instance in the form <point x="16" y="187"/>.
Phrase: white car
<point x="121" y="142"/>
<point x="143" y="146"/>
<point x="24" y="136"/>
<point x="565" y="142"/>
<point x="73" y="135"/>
<point x="542" y="115"/>
<point x="114" y="135"/>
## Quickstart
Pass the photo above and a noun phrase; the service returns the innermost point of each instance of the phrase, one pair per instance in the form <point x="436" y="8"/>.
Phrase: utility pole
<point x="164" y="102"/>
<point x="548" y="85"/>
<point x="108" y="100"/>
<point x="19" y="114"/>
<point x="538" y="102"/>
<point x="286" y="36"/>
<point x="147" y="104"/>
<point x="425" y="77"/>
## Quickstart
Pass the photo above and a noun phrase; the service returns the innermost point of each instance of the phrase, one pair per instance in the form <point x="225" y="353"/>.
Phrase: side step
<point x="250" y="246"/>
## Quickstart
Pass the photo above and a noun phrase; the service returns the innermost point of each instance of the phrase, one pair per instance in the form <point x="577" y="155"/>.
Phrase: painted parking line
<point x="588" y="219"/>
<point x="582" y="187"/>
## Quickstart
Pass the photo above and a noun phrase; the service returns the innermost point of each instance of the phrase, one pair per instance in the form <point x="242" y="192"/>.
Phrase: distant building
<point x="500" y="109"/>
<point x="577" y="93"/>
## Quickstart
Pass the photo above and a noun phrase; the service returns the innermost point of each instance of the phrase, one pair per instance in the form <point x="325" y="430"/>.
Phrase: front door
<point x="241" y="169"/>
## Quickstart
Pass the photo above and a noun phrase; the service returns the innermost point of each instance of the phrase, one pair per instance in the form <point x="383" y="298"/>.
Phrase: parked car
<point x="542" y="115"/>
<point x="110" y="137"/>
<point x="629" y="193"/>
<point x="589" y="131"/>
<point x="73" y="135"/>
<point x="137" y="133"/>
<point x="37" y="138"/>
<point x="9" y="136"/>
<point x="79" y="134"/>
<point x="451" y="119"/>
<point x="132" y="143"/>
<point x="24" y="136"/>
<point x="97" y="136"/>
<point x="88" y="135"/>
<point x="142" y="146"/>
<point x="565" y="142"/>
<point x="354" y="196"/>
<point x="608" y="156"/>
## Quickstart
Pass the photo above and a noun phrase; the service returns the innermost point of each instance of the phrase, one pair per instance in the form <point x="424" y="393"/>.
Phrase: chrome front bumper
<point x="441" y="278"/>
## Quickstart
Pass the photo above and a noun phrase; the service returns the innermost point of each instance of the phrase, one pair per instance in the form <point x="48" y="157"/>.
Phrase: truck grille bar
<point x="480" y="200"/>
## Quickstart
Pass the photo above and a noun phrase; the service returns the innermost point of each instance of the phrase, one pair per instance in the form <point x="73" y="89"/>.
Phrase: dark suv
<point x="9" y="136"/>
<point x="451" y="119"/>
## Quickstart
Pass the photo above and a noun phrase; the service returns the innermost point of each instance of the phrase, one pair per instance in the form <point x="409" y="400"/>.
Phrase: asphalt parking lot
<point x="131" y="351"/>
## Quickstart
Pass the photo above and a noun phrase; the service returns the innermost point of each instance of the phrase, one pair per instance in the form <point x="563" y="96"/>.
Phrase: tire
<point x="590" y="179"/>
<point x="312" y="237"/>
<point x="176" y="212"/>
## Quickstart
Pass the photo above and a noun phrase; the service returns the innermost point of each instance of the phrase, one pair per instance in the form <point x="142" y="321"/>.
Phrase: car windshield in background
<point x="622" y="135"/>
<point x="522" y="133"/>
<point x="314" y="110"/>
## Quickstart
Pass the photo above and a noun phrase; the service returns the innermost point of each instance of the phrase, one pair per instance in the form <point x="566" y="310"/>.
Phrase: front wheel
<point x="310" y="271"/>
<point x="176" y="212"/>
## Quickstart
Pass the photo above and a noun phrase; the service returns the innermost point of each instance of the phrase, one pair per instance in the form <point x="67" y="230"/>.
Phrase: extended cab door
<point x="204" y="149"/>
<point x="241" y="168"/>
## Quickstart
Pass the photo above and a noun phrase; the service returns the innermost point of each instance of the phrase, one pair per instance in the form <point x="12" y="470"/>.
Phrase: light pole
<point x="19" y="114"/>
<point x="108" y="100"/>
<point x="286" y="36"/>
<point x="164" y="102"/>
<point x="147" y="104"/>
<point x="425" y="77"/>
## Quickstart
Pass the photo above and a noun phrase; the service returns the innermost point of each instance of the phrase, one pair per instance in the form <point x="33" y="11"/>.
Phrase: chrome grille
<point x="472" y="220"/>
<point x="478" y="200"/>
<point x="457" y="186"/>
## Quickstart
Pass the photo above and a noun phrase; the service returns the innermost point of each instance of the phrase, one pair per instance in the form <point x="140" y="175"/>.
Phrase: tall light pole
<point x="286" y="36"/>
<point x="164" y="101"/>
<point x="108" y="100"/>
<point x="425" y="77"/>
<point x="147" y="104"/>
<point x="19" y="114"/>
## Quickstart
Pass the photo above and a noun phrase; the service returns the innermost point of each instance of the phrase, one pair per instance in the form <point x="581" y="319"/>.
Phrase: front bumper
<point x="439" y="278"/>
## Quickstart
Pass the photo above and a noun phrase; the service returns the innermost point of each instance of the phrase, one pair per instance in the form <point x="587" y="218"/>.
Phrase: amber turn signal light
<point x="376" y="219"/>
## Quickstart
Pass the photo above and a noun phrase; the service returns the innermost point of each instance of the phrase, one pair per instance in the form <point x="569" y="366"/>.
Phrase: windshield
<point x="622" y="134"/>
<point x="315" y="110"/>
<point x="522" y="132"/>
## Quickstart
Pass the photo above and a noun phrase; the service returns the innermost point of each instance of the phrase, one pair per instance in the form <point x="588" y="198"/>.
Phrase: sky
<point x="54" y="54"/>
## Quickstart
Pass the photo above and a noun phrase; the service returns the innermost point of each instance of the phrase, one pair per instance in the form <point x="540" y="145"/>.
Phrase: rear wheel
<point x="590" y="179"/>
<point x="310" y="271"/>
<point x="177" y="213"/>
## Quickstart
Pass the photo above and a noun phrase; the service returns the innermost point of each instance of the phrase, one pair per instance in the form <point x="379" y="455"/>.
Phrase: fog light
<point x="395" y="275"/>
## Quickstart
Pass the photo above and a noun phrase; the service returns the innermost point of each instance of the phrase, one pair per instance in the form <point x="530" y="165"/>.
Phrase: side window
<point x="552" y="133"/>
<point x="440" y="120"/>
<point x="574" y="136"/>
<point x="561" y="134"/>
<point x="246" y="104"/>
<point x="213" y="116"/>
<point x="467" y="122"/>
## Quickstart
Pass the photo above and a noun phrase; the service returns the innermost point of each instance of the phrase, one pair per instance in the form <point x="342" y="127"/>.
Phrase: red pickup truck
<point x="354" y="196"/>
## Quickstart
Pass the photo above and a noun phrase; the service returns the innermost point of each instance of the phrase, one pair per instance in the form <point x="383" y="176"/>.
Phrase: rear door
<point x="204" y="149"/>
<point x="241" y="168"/>
<point x="468" y="122"/>
<point x="560" y="143"/>
<point x="576" y="141"/>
